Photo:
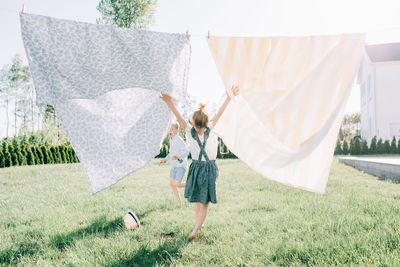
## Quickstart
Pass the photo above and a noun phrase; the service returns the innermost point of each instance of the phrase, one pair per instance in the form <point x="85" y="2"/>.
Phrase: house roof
<point x="384" y="52"/>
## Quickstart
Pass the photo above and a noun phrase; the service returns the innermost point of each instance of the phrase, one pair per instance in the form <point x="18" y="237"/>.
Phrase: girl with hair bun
<point x="200" y="185"/>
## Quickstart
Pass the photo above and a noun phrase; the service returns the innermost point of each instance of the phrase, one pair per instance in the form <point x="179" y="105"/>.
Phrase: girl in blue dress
<point x="203" y="172"/>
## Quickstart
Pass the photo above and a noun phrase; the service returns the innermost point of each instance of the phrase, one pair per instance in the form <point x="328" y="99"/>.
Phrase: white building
<point x="380" y="92"/>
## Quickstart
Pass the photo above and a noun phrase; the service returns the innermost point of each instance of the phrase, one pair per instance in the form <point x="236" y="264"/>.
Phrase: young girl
<point x="203" y="172"/>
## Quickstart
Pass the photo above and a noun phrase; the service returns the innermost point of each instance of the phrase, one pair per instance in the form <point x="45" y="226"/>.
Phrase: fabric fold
<point x="104" y="83"/>
<point x="285" y="122"/>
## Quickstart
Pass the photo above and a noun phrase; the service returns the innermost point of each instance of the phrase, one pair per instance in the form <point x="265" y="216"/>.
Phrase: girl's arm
<point x="235" y="91"/>
<point x="171" y="105"/>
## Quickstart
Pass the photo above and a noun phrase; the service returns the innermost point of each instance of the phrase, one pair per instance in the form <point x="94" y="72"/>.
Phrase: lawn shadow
<point x="99" y="226"/>
<point x="34" y="240"/>
<point x="163" y="254"/>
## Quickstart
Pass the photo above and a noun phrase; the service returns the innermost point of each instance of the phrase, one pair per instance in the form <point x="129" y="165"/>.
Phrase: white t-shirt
<point x="211" y="144"/>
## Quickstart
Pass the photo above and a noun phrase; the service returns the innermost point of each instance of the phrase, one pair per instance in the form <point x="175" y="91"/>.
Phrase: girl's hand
<point x="174" y="158"/>
<point x="165" y="97"/>
<point x="235" y="91"/>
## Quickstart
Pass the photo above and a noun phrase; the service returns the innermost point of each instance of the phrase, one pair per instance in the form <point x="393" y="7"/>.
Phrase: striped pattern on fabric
<point x="286" y="119"/>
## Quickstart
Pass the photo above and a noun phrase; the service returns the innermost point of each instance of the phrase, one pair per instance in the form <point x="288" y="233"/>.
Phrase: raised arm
<point x="235" y="91"/>
<point x="171" y="105"/>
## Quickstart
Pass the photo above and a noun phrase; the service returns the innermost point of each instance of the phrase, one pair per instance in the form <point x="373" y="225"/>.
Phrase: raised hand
<point x="235" y="90"/>
<point x="165" y="97"/>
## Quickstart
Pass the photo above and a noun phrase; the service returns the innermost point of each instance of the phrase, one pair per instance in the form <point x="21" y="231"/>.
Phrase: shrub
<point x="45" y="154"/>
<point x="386" y="147"/>
<point x="39" y="154"/>
<point x="345" y="148"/>
<point x="30" y="156"/>
<point x="398" y="147"/>
<point x="393" y="146"/>
<point x="338" y="148"/>
<point x="62" y="154"/>
<point x="373" y="146"/>
<point x="379" y="147"/>
<point x="357" y="147"/>
<point x="2" y="160"/>
<point x="54" y="155"/>
<point x="364" y="148"/>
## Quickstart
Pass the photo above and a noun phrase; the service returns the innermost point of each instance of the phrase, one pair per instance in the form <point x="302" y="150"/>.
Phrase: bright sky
<point x="379" y="19"/>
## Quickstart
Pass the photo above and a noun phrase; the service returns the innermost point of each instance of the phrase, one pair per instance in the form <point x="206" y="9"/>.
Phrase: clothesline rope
<point x="206" y="35"/>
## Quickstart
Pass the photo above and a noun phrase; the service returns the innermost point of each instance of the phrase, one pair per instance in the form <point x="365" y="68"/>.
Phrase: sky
<point x="379" y="19"/>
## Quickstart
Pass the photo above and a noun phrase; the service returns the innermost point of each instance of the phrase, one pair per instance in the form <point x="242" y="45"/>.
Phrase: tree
<point x="386" y="147"/>
<point x="2" y="160"/>
<point x="357" y="146"/>
<point x="398" y="147"/>
<point x="379" y="147"/>
<point x="393" y="147"/>
<point x="364" y="148"/>
<point x="17" y="151"/>
<point x="350" y="126"/>
<point x="4" y="93"/>
<point x="137" y="14"/>
<point x="373" y="146"/>
<point x="45" y="154"/>
<point x="338" y="148"/>
<point x="30" y="157"/>
<point x="21" y="85"/>
<point x="345" y="148"/>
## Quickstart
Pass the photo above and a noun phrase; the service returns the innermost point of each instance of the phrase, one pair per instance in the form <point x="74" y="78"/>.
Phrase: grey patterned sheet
<point x="104" y="83"/>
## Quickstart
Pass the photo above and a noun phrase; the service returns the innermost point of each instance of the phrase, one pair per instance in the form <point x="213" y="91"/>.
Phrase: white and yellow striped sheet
<point x="286" y="119"/>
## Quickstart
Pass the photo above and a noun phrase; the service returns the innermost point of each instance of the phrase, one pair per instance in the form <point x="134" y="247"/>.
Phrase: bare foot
<point x="193" y="235"/>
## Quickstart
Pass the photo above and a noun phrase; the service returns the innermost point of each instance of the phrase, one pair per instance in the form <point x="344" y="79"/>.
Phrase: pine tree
<point x="71" y="155"/>
<point x="23" y="153"/>
<point x="45" y="155"/>
<point x="56" y="155"/>
<point x="14" y="157"/>
<point x="50" y="155"/>
<point x="393" y="147"/>
<point x="7" y="155"/>
<point x="35" y="155"/>
<point x="357" y="147"/>
<point x="379" y="147"/>
<point x="373" y="147"/>
<point x="345" y="148"/>
<point x="338" y="148"/>
<point x="67" y="158"/>
<point x="30" y="156"/>
<point x="351" y="149"/>
<point x="39" y="155"/>
<point x="16" y="151"/>
<point x="386" y="147"/>
<point x="2" y="160"/>
<point x="364" y="148"/>
<point x="398" y="147"/>
<point x="62" y="153"/>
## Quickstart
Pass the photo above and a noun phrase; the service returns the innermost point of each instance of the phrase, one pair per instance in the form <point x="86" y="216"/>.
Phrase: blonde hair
<point x="175" y="125"/>
<point x="200" y="118"/>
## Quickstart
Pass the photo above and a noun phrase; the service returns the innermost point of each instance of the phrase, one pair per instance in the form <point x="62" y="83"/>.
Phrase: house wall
<point x="387" y="97"/>
<point x="367" y="105"/>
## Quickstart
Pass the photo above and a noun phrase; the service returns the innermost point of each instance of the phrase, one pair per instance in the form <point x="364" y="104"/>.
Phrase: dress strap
<point x="195" y="136"/>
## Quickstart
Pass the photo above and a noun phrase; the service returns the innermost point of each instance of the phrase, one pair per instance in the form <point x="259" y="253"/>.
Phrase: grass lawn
<point x="48" y="217"/>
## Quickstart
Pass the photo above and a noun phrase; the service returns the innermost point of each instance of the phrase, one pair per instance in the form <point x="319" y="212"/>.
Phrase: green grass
<point x="48" y="217"/>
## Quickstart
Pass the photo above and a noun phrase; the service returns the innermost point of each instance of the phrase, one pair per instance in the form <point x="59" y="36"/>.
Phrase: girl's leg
<point x="174" y="189"/>
<point x="196" y="209"/>
<point x="201" y="216"/>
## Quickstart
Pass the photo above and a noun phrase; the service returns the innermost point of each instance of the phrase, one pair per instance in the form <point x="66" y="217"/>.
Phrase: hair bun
<point x="201" y="107"/>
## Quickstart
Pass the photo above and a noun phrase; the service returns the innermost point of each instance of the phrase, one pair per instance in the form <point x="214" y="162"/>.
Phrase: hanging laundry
<point x="104" y="83"/>
<point x="285" y="122"/>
